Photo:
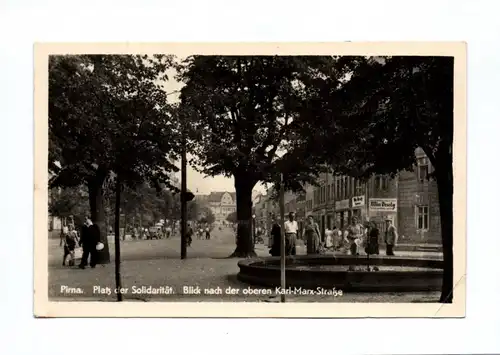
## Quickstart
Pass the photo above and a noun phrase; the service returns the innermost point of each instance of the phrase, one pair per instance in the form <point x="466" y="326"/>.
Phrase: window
<point x="422" y="217"/>
<point x="328" y="192"/>
<point x="357" y="187"/>
<point x="337" y="181"/>
<point x="332" y="191"/>
<point x="423" y="169"/>
<point x="385" y="183"/>
<point x="381" y="183"/>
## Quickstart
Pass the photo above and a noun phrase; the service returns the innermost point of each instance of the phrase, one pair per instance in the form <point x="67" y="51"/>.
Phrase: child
<point x="70" y="242"/>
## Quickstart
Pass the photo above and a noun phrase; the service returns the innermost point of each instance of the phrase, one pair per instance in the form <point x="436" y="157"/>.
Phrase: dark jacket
<point x="372" y="245"/>
<point x="90" y="236"/>
<point x="276" y="237"/>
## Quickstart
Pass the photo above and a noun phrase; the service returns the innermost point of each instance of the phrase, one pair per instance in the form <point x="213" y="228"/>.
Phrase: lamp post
<point x="283" y="242"/>
<point x="252" y="228"/>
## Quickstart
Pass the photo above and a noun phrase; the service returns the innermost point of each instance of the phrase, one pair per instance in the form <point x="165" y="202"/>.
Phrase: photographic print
<point x="250" y="180"/>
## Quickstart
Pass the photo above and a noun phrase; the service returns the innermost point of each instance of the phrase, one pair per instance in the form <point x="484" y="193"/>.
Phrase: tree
<point x="244" y="119"/>
<point x="109" y="119"/>
<point x="67" y="202"/>
<point x="232" y="217"/>
<point x="208" y="216"/>
<point x="388" y="108"/>
<point x="105" y="110"/>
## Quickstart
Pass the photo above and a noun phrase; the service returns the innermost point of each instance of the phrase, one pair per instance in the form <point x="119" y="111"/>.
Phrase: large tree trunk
<point x="97" y="214"/>
<point x="244" y="242"/>
<point x="444" y="178"/>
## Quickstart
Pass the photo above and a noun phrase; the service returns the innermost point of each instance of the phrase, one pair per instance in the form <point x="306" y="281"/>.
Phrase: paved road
<point x="221" y="245"/>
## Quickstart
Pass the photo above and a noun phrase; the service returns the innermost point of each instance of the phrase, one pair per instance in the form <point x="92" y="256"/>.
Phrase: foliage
<point x="387" y="109"/>
<point x="247" y="111"/>
<point x="68" y="202"/>
<point x="232" y="217"/>
<point x="248" y="118"/>
<point x="107" y="113"/>
<point x="207" y="216"/>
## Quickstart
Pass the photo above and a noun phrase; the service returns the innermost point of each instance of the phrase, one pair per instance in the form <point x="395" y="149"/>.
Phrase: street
<point x="157" y="263"/>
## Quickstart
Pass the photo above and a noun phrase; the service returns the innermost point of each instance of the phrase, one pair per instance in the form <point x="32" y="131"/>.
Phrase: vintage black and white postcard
<point x="250" y="180"/>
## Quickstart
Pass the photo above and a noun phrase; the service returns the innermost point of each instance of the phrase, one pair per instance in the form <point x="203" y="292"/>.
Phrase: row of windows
<point x="224" y="210"/>
<point x="346" y="187"/>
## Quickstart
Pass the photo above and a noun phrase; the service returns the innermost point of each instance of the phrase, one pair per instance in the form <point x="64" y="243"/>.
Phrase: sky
<point x="196" y="182"/>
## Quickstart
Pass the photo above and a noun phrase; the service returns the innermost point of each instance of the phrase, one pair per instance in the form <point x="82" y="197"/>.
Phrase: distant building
<point x="221" y="204"/>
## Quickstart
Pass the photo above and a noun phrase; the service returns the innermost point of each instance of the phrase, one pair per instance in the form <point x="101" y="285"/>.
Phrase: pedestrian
<point x="337" y="238"/>
<point x="64" y="233"/>
<point x="70" y="243"/>
<point x="168" y="232"/>
<point x="372" y="245"/>
<point x="276" y="238"/>
<point x="329" y="239"/>
<point x="189" y="234"/>
<point x="312" y="235"/>
<point x="90" y="237"/>
<point x="291" y="229"/>
<point x="391" y="237"/>
<point x="355" y="235"/>
<point x="207" y="233"/>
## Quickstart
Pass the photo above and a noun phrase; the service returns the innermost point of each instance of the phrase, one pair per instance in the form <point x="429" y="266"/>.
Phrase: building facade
<point x="220" y="203"/>
<point x="409" y="199"/>
<point x="419" y="216"/>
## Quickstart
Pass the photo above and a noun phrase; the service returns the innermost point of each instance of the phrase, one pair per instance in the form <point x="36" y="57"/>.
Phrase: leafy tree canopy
<point x="247" y="114"/>
<point x="388" y="108"/>
<point x="109" y="113"/>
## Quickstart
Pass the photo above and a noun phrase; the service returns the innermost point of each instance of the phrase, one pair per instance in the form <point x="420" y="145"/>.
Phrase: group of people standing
<point x="89" y="240"/>
<point x="203" y="232"/>
<point x="352" y="239"/>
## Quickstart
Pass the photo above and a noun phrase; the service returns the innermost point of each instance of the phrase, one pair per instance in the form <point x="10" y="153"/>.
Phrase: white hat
<point x="99" y="246"/>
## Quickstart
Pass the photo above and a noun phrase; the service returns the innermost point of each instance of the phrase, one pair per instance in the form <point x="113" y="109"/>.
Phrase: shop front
<point x="342" y="213"/>
<point x="380" y="209"/>
<point x="359" y="208"/>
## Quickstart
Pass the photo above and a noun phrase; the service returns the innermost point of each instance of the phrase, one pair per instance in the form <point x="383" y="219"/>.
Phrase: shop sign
<point x="383" y="204"/>
<point x="358" y="201"/>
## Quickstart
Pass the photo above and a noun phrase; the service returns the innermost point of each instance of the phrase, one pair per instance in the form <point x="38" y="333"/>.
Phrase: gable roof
<point x="217" y="196"/>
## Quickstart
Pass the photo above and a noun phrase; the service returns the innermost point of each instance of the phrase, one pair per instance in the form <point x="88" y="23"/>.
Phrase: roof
<point x="217" y="196"/>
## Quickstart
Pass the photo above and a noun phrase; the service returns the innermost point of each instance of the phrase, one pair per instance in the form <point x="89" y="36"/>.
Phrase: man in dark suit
<point x="89" y="239"/>
<point x="276" y="238"/>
